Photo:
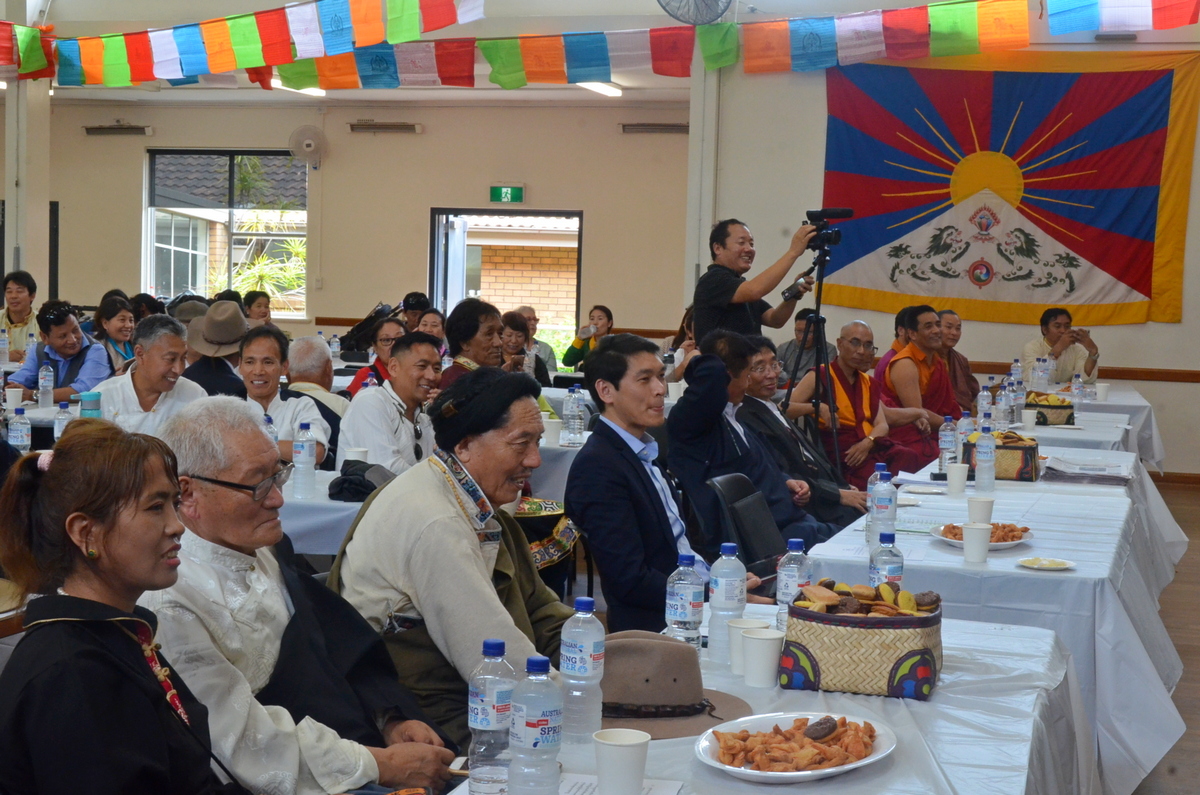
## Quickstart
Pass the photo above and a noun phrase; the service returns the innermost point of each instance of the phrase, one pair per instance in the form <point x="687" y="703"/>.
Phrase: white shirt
<point x="338" y="403"/>
<point x="376" y="421"/>
<point x="221" y="625"/>
<point x="286" y="416"/>
<point x="1063" y="368"/>
<point x="730" y="413"/>
<point x="119" y="403"/>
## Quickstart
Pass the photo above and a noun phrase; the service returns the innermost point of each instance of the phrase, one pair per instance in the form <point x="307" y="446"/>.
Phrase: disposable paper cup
<point x="545" y="416"/>
<point x="761" y="648"/>
<point x="979" y="509"/>
<point x="956" y="478"/>
<point x="620" y="761"/>
<point x="1102" y="392"/>
<point x="553" y="431"/>
<point x="675" y="390"/>
<point x="736" y="625"/>
<point x="1029" y="418"/>
<point x="12" y="396"/>
<point x="356" y="454"/>
<point x="976" y="538"/>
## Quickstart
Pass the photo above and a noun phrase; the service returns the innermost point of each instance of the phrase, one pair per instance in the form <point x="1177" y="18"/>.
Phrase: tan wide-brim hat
<point x="656" y="675"/>
<point x="220" y="331"/>
<point x="188" y="311"/>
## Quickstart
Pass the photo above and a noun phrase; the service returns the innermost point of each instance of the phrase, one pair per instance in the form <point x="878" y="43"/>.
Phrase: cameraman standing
<point x="725" y="299"/>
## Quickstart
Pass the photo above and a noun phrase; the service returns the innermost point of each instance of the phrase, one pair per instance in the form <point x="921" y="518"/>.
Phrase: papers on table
<point x="1098" y="471"/>
<point x="575" y="784"/>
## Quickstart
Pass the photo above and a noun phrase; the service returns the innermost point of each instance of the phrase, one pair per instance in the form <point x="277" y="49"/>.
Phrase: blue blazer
<point x="611" y="497"/>
<point x="215" y="376"/>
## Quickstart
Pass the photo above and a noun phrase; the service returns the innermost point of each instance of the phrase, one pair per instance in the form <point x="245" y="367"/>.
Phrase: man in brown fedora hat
<point x="217" y="337"/>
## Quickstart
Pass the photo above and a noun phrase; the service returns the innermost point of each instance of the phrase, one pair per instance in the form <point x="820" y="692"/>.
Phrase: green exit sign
<point x="508" y="194"/>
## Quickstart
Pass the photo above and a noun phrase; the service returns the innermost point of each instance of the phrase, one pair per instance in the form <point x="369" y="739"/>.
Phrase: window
<point x="229" y="219"/>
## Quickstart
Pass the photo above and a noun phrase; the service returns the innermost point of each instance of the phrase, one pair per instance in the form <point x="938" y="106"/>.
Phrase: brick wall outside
<point x="541" y="277"/>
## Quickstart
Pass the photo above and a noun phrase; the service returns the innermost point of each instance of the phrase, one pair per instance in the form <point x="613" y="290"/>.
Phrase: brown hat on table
<point x="652" y="683"/>
<point x="220" y="331"/>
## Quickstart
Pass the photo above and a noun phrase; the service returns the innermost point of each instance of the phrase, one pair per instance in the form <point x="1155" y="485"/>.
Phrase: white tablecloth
<point x="549" y="481"/>
<point x="1105" y="610"/>
<point x="554" y="396"/>
<point x="39" y="417"/>
<point x="10" y="367"/>
<point x="1091" y="432"/>
<point x="1006" y="717"/>
<point x="1144" y="439"/>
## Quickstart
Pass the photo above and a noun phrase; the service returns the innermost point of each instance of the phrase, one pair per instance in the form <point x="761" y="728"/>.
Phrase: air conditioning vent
<point x="119" y="129"/>
<point x="372" y="126"/>
<point x="657" y="129"/>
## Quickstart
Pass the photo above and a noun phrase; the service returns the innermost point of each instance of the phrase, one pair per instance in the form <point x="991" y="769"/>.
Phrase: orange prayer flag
<point x="766" y="47"/>
<point x="1003" y="24"/>
<point x="337" y="71"/>
<point x="545" y="59"/>
<point x="367" y="18"/>
<point x="219" y="46"/>
<point x="91" y="55"/>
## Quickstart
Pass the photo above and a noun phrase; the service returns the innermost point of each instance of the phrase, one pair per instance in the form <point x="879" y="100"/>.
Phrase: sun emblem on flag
<point x="984" y="219"/>
<point x="981" y="273"/>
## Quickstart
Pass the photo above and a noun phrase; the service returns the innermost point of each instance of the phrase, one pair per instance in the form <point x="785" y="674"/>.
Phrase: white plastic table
<point x="1144" y="438"/>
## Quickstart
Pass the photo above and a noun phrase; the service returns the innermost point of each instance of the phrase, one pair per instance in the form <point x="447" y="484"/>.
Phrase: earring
<point x="92" y="554"/>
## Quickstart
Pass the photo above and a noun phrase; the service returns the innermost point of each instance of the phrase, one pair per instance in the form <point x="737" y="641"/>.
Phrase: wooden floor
<point x="1179" y="771"/>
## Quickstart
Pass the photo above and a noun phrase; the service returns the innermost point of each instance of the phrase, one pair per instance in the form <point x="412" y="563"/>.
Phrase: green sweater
<point x="578" y="351"/>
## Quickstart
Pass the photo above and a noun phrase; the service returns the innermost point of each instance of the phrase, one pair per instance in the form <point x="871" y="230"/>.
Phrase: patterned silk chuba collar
<point x="456" y="471"/>
<point x="463" y="361"/>
<point x="205" y="551"/>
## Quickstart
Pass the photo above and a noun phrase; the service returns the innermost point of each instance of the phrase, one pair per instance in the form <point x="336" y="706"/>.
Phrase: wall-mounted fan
<point x="696" y="12"/>
<point x="308" y="144"/>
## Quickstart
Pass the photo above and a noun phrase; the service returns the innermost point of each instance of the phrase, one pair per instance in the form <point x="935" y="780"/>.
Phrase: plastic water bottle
<point x="3" y="345"/>
<point x="304" y="459"/>
<point x="793" y="573"/>
<point x="685" y="602"/>
<point x="1078" y="391"/>
<point x="335" y="347"/>
<point x="30" y="343"/>
<point x="669" y="363"/>
<point x="535" y="734"/>
<point x="46" y="386"/>
<point x="581" y="664"/>
<point x="984" y="401"/>
<point x="966" y="427"/>
<point x="61" y="419"/>
<point x="370" y="381"/>
<point x="887" y="564"/>
<point x="726" y="601"/>
<point x="573" y="421"/>
<point x="19" y="432"/>
<point x="447" y="361"/>
<point x="269" y="427"/>
<point x="985" y="460"/>
<point x="1001" y="409"/>
<point x="321" y="334"/>
<point x="883" y="510"/>
<point x="489" y="717"/>
<point x="1018" y="400"/>
<point x="872" y="534"/>
<point x="947" y="444"/>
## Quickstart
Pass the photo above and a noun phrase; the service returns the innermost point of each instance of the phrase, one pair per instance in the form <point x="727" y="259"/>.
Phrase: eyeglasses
<point x="259" y="491"/>
<point x="763" y="369"/>
<point x="859" y="345"/>
<point x="386" y="340"/>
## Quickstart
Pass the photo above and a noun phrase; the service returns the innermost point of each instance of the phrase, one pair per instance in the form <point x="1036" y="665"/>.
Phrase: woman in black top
<point x="87" y="704"/>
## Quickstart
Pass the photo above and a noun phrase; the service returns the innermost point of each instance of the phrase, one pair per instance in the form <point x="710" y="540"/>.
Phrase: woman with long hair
<point x="600" y="322"/>
<point x="386" y="332"/>
<point x="113" y="327"/>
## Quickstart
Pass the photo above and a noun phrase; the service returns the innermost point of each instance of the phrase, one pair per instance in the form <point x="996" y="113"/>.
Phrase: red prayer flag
<point x="261" y="75"/>
<point x="906" y="33"/>
<point x="671" y="50"/>
<point x="48" y="51"/>
<point x="8" y="54"/>
<point x="275" y="35"/>
<point x="1175" y="13"/>
<point x="140" y="56"/>
<point x="455" y="61"/>
<point x="437" y="14"/>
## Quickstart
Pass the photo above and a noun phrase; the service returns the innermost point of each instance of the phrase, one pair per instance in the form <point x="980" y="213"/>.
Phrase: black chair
<point x="567" y="380"/>
<point x="748" y="518"/>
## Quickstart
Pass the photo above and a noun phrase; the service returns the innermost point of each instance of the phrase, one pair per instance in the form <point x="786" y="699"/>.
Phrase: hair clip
<point x="448" y="409"/>
<point x="44" y="460"/>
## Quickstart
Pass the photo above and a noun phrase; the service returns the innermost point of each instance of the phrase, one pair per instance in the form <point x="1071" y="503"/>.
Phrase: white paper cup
<point x="761" y="649"/>
<point x="620" y="761"/>
<point x="356" y="454"/>
<point x="675" y="390"/>
<point x="1029" y="418"/>
<point x="976" y="538"/>
<point x="979" y="509"/>
<point x="1102" y="392"/>
<point x="956" y="478"/>
<point x="550" y="437"/>
<point x="12" y="396"/>
<point x="545" y="416"/>
<point x="736" y="625"/>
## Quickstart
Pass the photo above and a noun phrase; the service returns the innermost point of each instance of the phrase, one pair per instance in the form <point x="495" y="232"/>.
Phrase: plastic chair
<point x="748" y="518"/>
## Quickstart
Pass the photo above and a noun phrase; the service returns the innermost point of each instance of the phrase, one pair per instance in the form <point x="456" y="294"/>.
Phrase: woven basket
<point x="1013" y="462"/>
<point x="1051" y="415"/>
<point x="899" y="657"/>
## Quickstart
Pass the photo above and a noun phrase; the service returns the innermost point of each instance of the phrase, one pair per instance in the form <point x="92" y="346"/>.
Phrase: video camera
<point x="825" y="235"/>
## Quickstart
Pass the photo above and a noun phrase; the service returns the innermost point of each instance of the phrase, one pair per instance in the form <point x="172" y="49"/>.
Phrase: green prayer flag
<point x="403" y="21"/>
<point x="29" y="45"/>
<point x="116" y="61"/>
<point x="953" y="29"/>
<point x="298" y="75"/>
<point x="247" y="44"/>
<point x="718" y="44"/>
<point x="508" y="67"/>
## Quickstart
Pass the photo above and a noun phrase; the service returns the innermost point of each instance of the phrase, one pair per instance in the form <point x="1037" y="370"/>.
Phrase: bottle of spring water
<point x="883" y="509"/>
<point x="984" y="401"/>
<point x="685" y="602"/>
<point x="985" y="460"/>
<point x="335" y="347"/>
<point x="573" y="420"/>
<point x="45" y="386"/>
<point x="887" y="564"/>
<point x="1078" y="391"/>
<point x="3" y="345"/>
<point x="966" y="427"/>
<point x="19" y="432"/>
<point x="581" y="665"/>
<point x="321" y="334"/>
<point x="1018" y="400"/>
<point x="269" y="427"/>
<point x="869" y="525"/>
<point x="793" y="573"/>
<point x="1001" y="410"/>
<point x="1014" y="372"/>
<point x="61" y="418"/>
<point x="947" y="444"/>
<point x="726" y="601"/>
<point x="304" y="459"/>
<point x="370" y="381"/>
<point x="489" y="706"/>
<point x="30" y="344"/>
<point x="535" y="733"/>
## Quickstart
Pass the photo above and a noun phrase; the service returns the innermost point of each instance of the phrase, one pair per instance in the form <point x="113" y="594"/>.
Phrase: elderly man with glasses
<point x="78" y="363"/>
<point x="301" y="695"/>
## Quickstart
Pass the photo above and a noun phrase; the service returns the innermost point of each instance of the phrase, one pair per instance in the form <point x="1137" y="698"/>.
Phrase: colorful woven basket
<point x="1063" y="414"/>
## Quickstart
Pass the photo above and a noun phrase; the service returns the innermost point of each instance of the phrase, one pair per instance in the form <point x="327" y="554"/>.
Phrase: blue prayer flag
<point x="587" y="58"/>
<point x="193" y="58"/>
<point x="183" y="81"/>
<point x="377" y="66"/>
<point x="814" y="43"/>
<point x="1072" y="16"/>
<point x="337" y="28"/>
<point x="70" y="66"/>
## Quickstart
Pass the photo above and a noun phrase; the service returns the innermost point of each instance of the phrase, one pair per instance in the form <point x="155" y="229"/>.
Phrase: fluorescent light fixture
<point x="3" y="86"/>
<point x="601" y="88"/>
<point x="312" y="92"/>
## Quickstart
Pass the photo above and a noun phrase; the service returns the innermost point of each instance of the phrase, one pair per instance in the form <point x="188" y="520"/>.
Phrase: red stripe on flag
<point x="455" y="61"/>
<point x="276" y="38"/>
<point x="140" y="56"/>
<point x="1175" y="13"/>
<point x="261" y="75"/>
<point x="8" y="55"/>
<point x="671" y="50"/>
<point x="906" y="33"/>
<point x="437" y="14"/>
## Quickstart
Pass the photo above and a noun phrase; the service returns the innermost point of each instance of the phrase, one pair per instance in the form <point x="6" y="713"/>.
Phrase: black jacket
<point x="215" y="376"/>
<point x="81" y="711"/>
<point x="332" y="419"/>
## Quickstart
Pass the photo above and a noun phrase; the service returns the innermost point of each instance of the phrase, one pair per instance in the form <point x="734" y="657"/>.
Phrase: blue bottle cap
<point x="585" y="604"/>
<point x="948" y="419"/>
<point x="987" y="415"/>
<point x="885" y="477"/>
<point x="687" y="560"/>
<point x="493" y="647"/>
<point x="887" y="538"/>
<point x="880" y="466"/>
<point x="728" y="549"/>
<point x="267" y="419"/>
<point x="966" y="416"/>
<point x="537" y="665"/>
<point x="986" y="428"/>
<point x="304" y="426"/>
<point x="64" y="406"/>
<point x="795" y="545"/>
<point x="20" y="411"/>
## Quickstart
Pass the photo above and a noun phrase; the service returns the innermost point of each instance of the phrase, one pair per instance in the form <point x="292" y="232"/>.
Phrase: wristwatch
<point x="1095" y="357"/>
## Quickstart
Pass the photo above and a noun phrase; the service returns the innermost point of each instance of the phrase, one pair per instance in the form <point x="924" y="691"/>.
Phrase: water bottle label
<point x="304" y="452"/>
<point x="60" y="425"/>
<point x="490" y="708"/>
<point x="789" y="584"/>
<point x="19" y="437"/>
<point x="883" y="504"/>
<point x="727" y="592"/>
<point x="574" y="657"/>
<point x="685" y="604"/>
<point x="889" y="572"/>
<point x="535" y="728"/>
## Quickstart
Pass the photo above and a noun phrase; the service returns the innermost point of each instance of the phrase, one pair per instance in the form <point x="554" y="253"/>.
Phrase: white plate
<point x="1046" y="564"/>
<point x="706" y="747"/>
<point x="904" y="501"/>
<point x="937" y="533"/>
<point x="925" y="489"/>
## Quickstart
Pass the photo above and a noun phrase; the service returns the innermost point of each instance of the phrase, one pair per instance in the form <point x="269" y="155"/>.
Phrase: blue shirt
<point x="96" y="368"/>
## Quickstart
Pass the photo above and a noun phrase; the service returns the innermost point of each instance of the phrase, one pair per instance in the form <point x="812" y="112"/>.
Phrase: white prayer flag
<point x="224" y="80"/>
<point x="166" y="55"/>
<point x="860" y="37"/>
<point x="469" y="11"/>
<point x="628" y="49"/>
<point x="1126" y="15"/>
<point x="305" y="26"/>
<point x="417" y="63"/>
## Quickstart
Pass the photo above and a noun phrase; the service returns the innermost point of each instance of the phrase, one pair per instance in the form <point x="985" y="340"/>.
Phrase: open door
<point x="448" y="270"/>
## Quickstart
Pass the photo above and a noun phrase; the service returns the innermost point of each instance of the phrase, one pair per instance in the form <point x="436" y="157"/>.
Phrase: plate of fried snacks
<point x="791" y="747"/>
<point x="1004" y="535"/>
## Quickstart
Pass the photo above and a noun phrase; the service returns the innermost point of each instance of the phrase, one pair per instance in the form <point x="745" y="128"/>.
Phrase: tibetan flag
<point x="336" y="30"/>
<point x="671" y="50"/>
<point x="274" y="35"/>
<point x="587" y="58"/>
<point x="1003" y="24"/>
<point x="628" y="49"/>
<point x="456" y="62"/>
<point x="8" y="55"/>
<point x="246" y="41"/>
<point x="545" y="61"/>
<point x="29" y="47"/>
<point x="508" y="68"/>
<point x="1120" y="15"/>
<point x="860" y="37"/>
<point x="953" y="29"/>
<point x="305" y="27"/>
<point x="1175" y="13"/>
<point x="416" y="62"/>
<point x="141" y="57"/>
<point x="814" y="43"/>
<point x="1009" y="182"/>
<point x="377" y="66"/>
<point x="166" y="55"/>
<point x="906" y="33"/>
<point x="192" y="57"/>
<point x="718" y="44"/>
<point x="367" y="16"/>
<point x="403" y="21"/>
<point x="91" y="57"/>
<point x="299" y="74"/>
<point x="70" y="67"/>
<point x="1072" y="16"/>
<point x="218" y="45"/>
<point x="337" y="71"/>
<point x="767" y="47"/>
<point x="116" y="61"/>
<point x="437" y="14"/>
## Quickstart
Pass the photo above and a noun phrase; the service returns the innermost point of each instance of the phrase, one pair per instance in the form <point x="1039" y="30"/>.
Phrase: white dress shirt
<point x="286" y="416"/>
<point x="119" y="403"/>
<point x="376" y="421"/>
<point x="221" y="625"/>
<point x="1063" y="367"/>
